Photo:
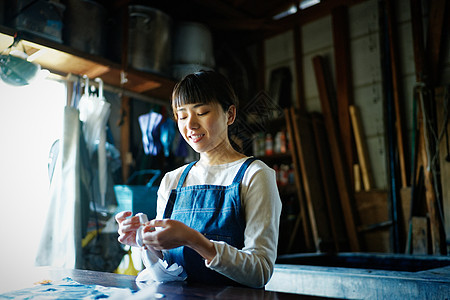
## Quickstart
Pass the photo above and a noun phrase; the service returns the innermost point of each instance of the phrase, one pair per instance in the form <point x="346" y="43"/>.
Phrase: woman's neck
<point x="221" y="155"/>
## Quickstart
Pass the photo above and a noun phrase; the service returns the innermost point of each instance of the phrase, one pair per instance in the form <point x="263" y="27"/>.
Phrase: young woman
<point x="217" y="217"/>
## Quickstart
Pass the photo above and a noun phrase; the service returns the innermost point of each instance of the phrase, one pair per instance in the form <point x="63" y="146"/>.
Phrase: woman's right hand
<point x="127" y="228"/>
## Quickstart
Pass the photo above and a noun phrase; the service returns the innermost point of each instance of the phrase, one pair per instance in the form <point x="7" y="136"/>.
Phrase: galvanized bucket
<point x="149" y="39"/>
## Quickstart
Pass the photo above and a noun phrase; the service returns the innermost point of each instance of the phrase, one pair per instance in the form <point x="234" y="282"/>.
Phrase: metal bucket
<point x="40" y="17"/>
<point x="149" y="39"/>
<point x="193" y="45"/>
<point x="84" y="26"/>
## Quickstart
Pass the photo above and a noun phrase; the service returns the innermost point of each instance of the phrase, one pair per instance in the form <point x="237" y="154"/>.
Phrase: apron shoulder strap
<point x="184" y="174"/>
<point x="242" y="169"/>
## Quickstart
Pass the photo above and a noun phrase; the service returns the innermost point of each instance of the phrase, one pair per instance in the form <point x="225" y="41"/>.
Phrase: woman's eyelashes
<point x="203" y="114"/>
<point x="183" y="117"/>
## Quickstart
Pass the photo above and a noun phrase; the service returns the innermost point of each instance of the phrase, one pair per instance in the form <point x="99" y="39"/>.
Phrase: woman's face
<point x="205" y="126"/>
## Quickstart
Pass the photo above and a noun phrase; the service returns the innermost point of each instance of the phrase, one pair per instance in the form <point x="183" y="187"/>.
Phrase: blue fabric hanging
<point x="168" y="132"/>
<point x="150" y="126"/>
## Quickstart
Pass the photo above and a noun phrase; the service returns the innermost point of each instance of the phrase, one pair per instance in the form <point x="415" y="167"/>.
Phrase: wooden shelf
<point x="62" y="60"/>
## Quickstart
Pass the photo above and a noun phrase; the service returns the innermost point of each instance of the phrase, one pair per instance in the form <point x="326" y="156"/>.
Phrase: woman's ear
<point x="231" y="113"/>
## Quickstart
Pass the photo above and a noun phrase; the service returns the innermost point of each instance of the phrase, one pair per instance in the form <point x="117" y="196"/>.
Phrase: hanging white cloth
<point x="60" y="244"/>
<point x="94" y="113"/>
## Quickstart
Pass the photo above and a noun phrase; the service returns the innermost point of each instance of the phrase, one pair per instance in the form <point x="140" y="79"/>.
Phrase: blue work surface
<point x="66" y="288"/>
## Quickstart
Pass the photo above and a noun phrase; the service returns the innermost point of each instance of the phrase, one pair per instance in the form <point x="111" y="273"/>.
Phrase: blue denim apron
<point x="213" y="210"/>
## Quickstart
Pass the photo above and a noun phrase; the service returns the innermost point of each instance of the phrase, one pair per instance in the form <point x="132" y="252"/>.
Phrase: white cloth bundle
<point x="156" y="269"/>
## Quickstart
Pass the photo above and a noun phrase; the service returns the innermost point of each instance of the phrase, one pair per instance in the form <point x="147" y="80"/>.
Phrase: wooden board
<point x="344" y="92"/>
<point x="357" y="176"/>
<point x="312" y="182"/>
<point x="302" y="218"/>
<point x="405" y="202"/>
<point x="298" y="56"/>
<point x="328" y="180"/>
<point x="435" y="38"/>
<point x="418" y="39"/>
<point x="395" y="71"/>
<point x="361" y="148"/>
<point x="419" y="235"/>
<point x="444" y="157"/>
<point x="341" y="173"/>
<point x="438" y="244"/>
<point x="372" y="207"/>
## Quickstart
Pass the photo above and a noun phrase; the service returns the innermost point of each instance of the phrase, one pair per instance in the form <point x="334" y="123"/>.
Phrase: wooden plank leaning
<point x="340" y="170"/>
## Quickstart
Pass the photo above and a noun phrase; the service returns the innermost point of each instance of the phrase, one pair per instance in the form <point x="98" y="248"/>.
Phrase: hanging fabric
<point x="94" y="113"/>
<point x="168" y="133"/>
<point x="60" y="244"/>
<point x="79" y="173"/>
<point x="150" y="128"/>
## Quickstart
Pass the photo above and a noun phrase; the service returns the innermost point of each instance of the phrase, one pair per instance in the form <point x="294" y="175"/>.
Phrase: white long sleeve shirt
<point x="252" y="265"/>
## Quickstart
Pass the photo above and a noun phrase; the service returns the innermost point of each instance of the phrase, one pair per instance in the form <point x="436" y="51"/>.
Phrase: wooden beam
<point x="395" y="71"/>
<point x="436" y="28"/>
<point x="309" y="15"/>
<point x="298" y="58"/>
<point x="312" y="182"/>
<point x="340" y="170"/>
<point x="302" y="216"/>
<point x="438" y="243"/>
<point x="344" y="91"/>
<point x="444" y="151"/>
<point x="328" y="180"/>
<point x="418" y="40"/>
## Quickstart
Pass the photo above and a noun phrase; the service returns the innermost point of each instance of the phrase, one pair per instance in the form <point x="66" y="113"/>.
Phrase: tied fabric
<point x="155" y="268"/>
<point x="150" y="126"/>
<point x="168" y="132"/>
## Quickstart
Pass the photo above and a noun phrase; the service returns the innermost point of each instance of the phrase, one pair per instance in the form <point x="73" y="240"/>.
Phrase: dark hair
<point x="204" y="87"/>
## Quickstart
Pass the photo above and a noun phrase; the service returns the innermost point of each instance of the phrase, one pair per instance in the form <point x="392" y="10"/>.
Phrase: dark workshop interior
<point x="347" y="100"/>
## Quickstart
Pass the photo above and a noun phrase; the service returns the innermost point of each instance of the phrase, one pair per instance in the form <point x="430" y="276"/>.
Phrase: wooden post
<point x="395" y="70"/>
<point x="342" y="60"/>
<point x="312" y="182"/>
<point x="444" y="154"/>
<point x="340" y="170"/>
<point x="438" y="244"/>
<point x="125" y="126"/>
<point x="328" y="180"/>
<point x="418" y="40"/>
<point x="437" y="18"/>
<point x="426" y="63"/>
<point x="302" y="217"/>
<point x="301" y="106"/>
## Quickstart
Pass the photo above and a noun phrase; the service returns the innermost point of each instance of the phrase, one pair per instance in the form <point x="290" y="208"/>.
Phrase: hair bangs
<point x="190" y="91"/>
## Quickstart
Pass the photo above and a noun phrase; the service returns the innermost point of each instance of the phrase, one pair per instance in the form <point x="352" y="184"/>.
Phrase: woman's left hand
<point x="174" y="234"/>
<point x="171" y="234"/>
